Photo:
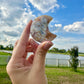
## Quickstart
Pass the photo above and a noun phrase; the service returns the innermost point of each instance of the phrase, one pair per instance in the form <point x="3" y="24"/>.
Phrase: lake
<point x="60" y="56"/>
<point x="57" y="59"/>
<point x="51" y="55"/>
<point x="60" y="60"/>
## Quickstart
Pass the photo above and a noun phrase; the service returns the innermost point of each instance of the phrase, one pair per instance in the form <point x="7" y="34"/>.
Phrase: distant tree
<point x="1" y="47"/>
<point x="74" y="57"/>
<point x="7" y="48"/>
<point x="10" y="46"/>
<point x="62" y="50"/>
<point x="55" y="49"/>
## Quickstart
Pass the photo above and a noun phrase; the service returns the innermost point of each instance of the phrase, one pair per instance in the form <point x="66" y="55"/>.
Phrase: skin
<point x="31" y="70"/>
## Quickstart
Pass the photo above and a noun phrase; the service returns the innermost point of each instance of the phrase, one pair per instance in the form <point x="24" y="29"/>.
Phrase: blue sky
<point x="67" y="23"/>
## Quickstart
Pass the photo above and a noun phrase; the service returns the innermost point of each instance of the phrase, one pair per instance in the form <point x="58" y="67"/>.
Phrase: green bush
<point x="74" y="58"/>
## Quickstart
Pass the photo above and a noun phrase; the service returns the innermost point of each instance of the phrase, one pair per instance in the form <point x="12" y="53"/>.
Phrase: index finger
<point x="25" y="34"/>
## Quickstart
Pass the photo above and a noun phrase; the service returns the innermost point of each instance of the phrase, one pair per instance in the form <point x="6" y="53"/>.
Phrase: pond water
<point x="52" y="55"/>
<point x="60" y="60"/>
<point x="57" y="59"/>
<point x="59" y="56"/>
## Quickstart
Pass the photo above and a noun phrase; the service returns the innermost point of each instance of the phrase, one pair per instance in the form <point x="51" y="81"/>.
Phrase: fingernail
<point x="30" y="21"/>
<point x="47" y="45"/>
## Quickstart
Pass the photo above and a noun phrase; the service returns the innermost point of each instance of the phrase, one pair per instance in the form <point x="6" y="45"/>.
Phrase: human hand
<point x="31" y="70"/>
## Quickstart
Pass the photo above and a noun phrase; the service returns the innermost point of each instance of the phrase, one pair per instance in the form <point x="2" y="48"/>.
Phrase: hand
<point x="32" y="70"/>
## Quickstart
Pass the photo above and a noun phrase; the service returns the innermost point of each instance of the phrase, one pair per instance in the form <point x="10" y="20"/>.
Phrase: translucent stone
<point x="39" y="29"/>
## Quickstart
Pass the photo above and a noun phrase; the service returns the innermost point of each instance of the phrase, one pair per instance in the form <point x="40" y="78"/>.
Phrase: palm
<point x="23" y="70"/>
<point x="24" y="60"/>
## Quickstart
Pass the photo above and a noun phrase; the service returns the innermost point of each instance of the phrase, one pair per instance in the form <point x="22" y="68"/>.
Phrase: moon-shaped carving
<point x="39" y="29"/>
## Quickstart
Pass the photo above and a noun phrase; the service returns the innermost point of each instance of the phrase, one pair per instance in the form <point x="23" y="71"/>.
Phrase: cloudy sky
<point x="67" y="23"/>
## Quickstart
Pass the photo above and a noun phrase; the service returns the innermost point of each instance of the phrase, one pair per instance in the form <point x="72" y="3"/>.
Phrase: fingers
<point x="25" y="34"/>
<point x="30" y="47"/>
<point x="39" y="59"/>
<point x="33" y="44"/>
<point x="29" y="61"/>
<point x="16" y="43"/>
<point x="21" y="47"/>
<point x="30" y="58"/>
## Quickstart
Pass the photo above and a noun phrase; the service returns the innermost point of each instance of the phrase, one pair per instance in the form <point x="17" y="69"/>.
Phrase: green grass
<point x="55" y="75"/>
<point x="64" y="76"/>
<point x="3" y="59"/>
<point x="4" y="53"/>
<point x="80" y="54"/>
<point x="4" y="78"/>
<point x="58" y="53"/>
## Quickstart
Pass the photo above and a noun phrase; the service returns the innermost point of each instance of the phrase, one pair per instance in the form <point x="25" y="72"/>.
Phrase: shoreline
<point x="82" y="55"/>
<point x="10" y="52"/>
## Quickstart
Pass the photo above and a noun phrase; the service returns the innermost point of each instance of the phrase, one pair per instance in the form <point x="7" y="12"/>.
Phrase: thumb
<point x="40" y="54"/>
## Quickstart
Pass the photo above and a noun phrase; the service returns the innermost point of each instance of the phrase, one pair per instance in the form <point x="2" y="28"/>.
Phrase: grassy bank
<point x="65" y="76"/>
<point x="80" y="54"/>
<point x="4" y="53"/>
<point x="4" y="57"/>
<point x="55" y="76"/>
<point x="4" y="78"/>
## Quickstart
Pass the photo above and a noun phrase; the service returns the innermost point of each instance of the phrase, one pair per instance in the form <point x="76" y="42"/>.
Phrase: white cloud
<point x="4" y="12"/>
<point x="58" y="25"/>
<point x="8" y="40"/>
<point x="67" y="43"/>
<point x="44" y="5"/>
<point x="13" y="19"/>
<point x="11" y="33"/>
<point x="77" y="27"/>
<point x="55" y="28"/>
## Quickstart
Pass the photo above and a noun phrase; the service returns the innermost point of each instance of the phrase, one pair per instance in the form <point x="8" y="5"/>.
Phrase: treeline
<point x="8" y="47"/>
<point x="56" y="50"/>
<point x="53" y="50"/>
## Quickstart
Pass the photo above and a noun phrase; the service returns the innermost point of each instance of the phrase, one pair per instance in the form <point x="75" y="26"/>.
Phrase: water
<point x="59" y="56"/>
<point x="57" y="59"/>
<point x="52" y="55"/>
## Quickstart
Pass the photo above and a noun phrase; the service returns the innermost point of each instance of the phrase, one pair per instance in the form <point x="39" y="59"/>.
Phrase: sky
<point x="67" y="23"/>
